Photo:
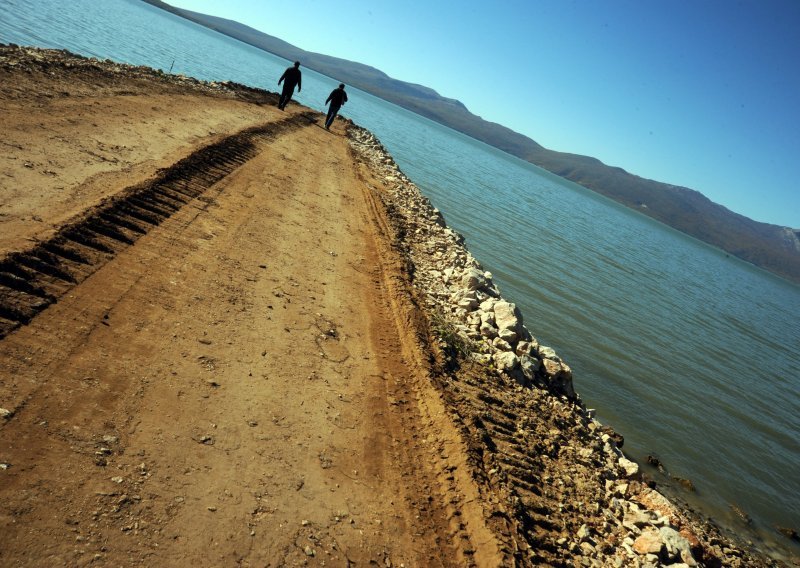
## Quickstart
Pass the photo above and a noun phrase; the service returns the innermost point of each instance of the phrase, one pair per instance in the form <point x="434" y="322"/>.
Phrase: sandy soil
<point x="212" y="353"/>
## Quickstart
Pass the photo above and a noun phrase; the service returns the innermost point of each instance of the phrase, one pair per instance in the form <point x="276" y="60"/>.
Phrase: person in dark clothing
<point x="291" y="78"/>
<point x="337" y="98"/>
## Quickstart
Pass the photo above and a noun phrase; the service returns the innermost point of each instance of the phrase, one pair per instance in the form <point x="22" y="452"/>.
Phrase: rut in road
<point x="32" y="280"/>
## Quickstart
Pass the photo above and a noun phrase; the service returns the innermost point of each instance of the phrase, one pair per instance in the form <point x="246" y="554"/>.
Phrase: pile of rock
<point x="455" y="284"/>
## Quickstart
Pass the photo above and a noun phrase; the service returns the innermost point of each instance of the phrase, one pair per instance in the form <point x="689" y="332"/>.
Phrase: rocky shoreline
<point x="557" y="485"/>
<point x="627" y="522"/>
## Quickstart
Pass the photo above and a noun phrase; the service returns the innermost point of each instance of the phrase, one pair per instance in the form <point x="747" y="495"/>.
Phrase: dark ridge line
<point x="158" y="214"/>
<point x="36" y="263"/>
<point x="78" y="236"/>
<point x="124" y="221"/>
<point x="59" y="249"/>
<point x="32" y="280"/>
<point x="16" y="283"/>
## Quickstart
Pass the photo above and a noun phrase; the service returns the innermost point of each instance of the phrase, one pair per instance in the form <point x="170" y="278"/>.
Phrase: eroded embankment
<point x="569" y="496"/>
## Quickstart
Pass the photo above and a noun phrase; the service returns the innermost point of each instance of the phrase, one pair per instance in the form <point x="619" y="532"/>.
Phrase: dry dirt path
<point x="221" y="371"/>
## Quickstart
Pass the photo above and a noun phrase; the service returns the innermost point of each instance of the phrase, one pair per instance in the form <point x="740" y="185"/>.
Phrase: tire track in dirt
<point x="442" y="485"/>
<point x="32" y="280"/>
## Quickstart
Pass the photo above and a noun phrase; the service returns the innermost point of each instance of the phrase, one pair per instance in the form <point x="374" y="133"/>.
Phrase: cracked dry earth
<point x="209" y="356"/>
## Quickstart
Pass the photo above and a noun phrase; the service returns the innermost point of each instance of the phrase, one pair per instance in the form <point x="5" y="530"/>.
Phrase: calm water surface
<point x="694" y="356"/>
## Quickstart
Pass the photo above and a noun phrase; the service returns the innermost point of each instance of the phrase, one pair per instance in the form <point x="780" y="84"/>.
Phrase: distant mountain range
<point x="771" y="247"/>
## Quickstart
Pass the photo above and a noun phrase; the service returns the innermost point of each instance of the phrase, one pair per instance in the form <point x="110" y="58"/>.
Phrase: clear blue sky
<point x="699" y="93"/>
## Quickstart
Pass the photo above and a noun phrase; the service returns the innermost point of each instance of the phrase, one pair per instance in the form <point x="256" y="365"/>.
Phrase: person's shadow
<point x="316" y="119"/>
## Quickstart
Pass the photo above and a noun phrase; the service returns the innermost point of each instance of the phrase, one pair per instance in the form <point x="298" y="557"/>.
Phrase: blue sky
<point x="699" y="93"/>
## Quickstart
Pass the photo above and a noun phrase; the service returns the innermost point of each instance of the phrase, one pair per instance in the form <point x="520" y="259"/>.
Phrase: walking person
<point x="337" y="98"/>
<point x="291" y="78"/>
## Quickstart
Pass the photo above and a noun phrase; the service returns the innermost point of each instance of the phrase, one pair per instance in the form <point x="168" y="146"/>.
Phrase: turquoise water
<point x="692" y="355"/>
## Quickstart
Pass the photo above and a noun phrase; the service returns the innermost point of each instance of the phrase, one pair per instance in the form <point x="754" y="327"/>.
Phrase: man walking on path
<point x="337" y="98"/>
<point x="291" y="78"/>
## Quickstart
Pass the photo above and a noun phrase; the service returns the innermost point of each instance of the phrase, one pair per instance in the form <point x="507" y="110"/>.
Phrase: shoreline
<point x="465" y="295"/>
<point x="529" y="438"/>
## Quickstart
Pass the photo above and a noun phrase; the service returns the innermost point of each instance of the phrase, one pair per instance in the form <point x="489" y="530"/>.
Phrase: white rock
<point x="473" y="279"/>
<point x="468" y="304"/>
<point x="507" y="315"/>
<point x="506" y="361"/>
<point x="548" y="353"/>
<point x="678" y="547"/>
<point x="488" y="330"/>
<point x="508" y="335"/>
<point x="631" y="468"/>
<point x="502" y="345"/>
<point x="551" y="368"/>
<point x="524" y="348"/>
<point x="635" y="517"/>
<point x="529" y="366"/>
<point x="487" y="317"/>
